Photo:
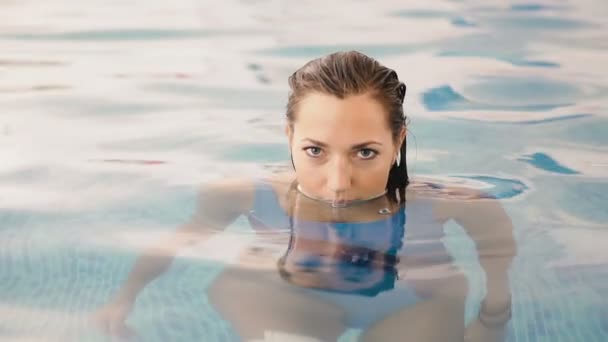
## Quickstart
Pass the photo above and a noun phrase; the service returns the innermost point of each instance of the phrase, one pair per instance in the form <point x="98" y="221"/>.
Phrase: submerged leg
<point x="259" y="303"/>
<point x="440" y="317"/>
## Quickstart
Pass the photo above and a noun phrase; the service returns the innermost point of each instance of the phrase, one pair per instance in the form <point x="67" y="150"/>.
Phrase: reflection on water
<point x="116" y="113"/>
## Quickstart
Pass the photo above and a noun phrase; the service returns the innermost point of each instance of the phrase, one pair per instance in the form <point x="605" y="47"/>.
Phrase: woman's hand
<point x="491" y="321"/>
<point x="110" y="318"/>
<point x="478" y="332"/>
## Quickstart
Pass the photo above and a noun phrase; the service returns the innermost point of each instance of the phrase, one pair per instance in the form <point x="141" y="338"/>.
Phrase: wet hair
<point x="343" y="74"/>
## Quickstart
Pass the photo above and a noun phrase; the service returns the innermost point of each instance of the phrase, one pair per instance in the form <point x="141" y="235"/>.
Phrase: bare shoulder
<point x="281" y="182"/>
<point x="450" y="201"/>
<point x="443" y="192"/>
<point x="284" y="178"/>
<point x="222" y="201"/>
<point x="233" y="197"/>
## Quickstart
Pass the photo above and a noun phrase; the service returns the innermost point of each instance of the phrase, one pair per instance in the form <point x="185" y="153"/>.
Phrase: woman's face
<point x="342" y="149"/>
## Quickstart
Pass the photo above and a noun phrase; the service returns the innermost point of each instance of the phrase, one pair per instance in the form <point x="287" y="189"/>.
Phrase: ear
<point x="402" y="136"/>
<point x="289" y="134"/>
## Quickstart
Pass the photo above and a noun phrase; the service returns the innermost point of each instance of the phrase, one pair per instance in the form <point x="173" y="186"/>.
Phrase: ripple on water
<point x="422" y="14"/>
<point x="531" y="23"/>
<point x="129" y="34"/>
<point x="533" y="121"/>
<point x="545" y="162"/>
<point x="462" y="22"/>
<point x="515" y="56"/>
<point x="225" y="97"/>
<point x="508" y="37"/>
<point x="83" y="106"/>
<point x="533" y="63"/>
<point x="586" y="200"/>
<point x="256" y="152"/>
<point x="313" y="51"/>
<point x="161" y="143"/>
<point x="522" y="91"/>
<point x="498" y="187"/>
<point x="502" y="93"/>
<point x="589" y="132"/>
<point x="530" y="7"/>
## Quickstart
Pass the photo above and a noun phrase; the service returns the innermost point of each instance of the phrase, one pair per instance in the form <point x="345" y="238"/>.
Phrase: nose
<point x="339" y="178"/>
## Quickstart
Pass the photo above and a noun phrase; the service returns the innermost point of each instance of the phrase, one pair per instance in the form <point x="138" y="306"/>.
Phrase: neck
<point x="337" y="204"/>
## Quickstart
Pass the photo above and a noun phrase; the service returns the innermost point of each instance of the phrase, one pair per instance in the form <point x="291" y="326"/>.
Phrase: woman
<point x="346" y="241"/>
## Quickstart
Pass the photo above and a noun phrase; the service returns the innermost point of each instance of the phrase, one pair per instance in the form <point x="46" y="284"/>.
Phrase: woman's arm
<point x="218" y="206"/>
<point x="491" y="229"/>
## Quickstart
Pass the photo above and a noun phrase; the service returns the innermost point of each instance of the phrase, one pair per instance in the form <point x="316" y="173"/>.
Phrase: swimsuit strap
<point x="266" y="212"/>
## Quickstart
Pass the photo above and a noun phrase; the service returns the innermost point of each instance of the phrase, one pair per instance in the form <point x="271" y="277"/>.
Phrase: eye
<point x="367" y="153"/>
<point x="313" y="151"/>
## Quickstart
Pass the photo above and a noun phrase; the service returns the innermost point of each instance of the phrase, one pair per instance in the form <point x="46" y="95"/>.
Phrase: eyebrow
<point x="354" y="147"/>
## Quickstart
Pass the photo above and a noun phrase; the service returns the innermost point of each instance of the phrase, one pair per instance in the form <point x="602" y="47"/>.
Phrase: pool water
<point x="114" y="114"/>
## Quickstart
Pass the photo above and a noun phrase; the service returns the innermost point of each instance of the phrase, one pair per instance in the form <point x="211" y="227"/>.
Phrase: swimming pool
<point x="115" y="113"/>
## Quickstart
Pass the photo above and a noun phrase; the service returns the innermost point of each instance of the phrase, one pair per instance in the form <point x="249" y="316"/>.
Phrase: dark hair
<point x="352" y="73"/>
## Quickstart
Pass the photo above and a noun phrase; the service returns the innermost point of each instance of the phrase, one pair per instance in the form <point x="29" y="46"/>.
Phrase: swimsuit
<point x="372" y="250"/>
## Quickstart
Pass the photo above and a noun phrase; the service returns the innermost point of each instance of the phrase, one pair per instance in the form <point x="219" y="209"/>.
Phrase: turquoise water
<point x="114" y="114"/>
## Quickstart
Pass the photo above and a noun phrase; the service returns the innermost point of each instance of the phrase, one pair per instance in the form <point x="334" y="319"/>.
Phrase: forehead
<point x="354" y="117"/>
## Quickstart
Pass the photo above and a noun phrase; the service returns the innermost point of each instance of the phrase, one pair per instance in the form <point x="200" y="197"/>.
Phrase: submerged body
<point x="323" y="270"/>
<point x="316" y="271"/>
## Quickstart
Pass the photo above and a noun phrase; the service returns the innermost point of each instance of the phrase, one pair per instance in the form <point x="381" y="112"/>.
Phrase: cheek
<point x="311" y="180"/>
<point x="309" y="174"/>
<point x="372" y="179"/>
